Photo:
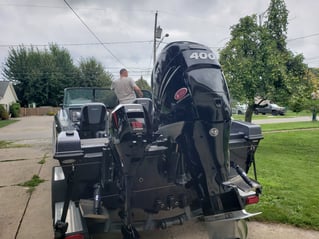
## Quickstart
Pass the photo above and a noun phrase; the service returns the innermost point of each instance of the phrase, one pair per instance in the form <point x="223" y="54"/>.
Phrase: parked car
<point x="273" y="109"/>
<point x="239" y="108"/>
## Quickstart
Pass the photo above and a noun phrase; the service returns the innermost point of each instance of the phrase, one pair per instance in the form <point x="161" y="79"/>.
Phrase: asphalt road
<point x="25" y="215"/>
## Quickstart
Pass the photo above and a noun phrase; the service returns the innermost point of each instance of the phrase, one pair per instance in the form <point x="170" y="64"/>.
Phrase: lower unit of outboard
<point x="147" y="166"/>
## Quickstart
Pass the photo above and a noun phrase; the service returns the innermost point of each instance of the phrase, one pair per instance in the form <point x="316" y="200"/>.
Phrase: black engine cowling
<point x="188" y="85"/>
<point x="192" y="106"/>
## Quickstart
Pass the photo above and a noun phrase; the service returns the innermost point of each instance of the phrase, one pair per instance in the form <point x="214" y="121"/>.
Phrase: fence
<point x="44" y="110"/>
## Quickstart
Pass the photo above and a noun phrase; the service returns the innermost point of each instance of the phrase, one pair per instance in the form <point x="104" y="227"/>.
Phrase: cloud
<point x="127" y="27"/>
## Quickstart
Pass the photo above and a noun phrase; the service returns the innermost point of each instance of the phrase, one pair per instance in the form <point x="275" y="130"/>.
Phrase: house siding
<point x="9" y="97"/>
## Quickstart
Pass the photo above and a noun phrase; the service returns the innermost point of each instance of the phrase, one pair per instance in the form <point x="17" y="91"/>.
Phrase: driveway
<point x="25" y="215"/>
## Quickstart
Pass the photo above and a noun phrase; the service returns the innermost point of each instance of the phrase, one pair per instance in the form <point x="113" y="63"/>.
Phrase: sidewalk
<point x="26" y="216"/>
<point x="279" y="119"/>
<point x="22" y="214"/>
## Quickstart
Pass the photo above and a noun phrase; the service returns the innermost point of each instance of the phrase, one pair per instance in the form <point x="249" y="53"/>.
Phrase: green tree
<point x="63" y="73"/>
<point x="277" y="22"/>
<point x="15" y="110"/>
<point x="240" y="61"/>
<point x="16" y="70"/>
<point x="3" y="113"/>
<point x="40" y="76"/>
<point x="257" y="63"/>
<point x="297" y="74"/>
<point x="92" y="73"/>
<point x="143" y="84"/>
<point x="313" y="74"/>
<point x="312" y="102"/>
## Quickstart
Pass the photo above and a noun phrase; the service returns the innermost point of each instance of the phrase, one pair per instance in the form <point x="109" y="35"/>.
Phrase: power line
<point x="96" y="37"/>
<point x="80" y="8"/>
<point x="137" y="70"/>
<point x="298" y="38"/>
<point x="312" y="58"/>
<point x="29" y="5"/>
<point x="78" y="44"/>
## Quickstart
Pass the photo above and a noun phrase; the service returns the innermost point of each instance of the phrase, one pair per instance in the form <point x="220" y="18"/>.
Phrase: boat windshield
<point x="80" y="96"/>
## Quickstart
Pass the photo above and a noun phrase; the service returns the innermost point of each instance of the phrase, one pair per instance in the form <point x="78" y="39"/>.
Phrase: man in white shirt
<point x="125" y="88"/>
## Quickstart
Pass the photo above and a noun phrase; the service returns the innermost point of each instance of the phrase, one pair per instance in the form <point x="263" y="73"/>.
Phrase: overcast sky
<point x="127" y="27"/>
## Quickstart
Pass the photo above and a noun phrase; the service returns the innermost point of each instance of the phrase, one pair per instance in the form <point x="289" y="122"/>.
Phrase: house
<point x="8" y="95"/>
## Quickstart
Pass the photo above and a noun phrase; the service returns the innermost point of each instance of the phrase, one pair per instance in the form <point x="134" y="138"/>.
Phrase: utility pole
<point x="261" y="16"/>
<point x="157" y="35"/>
<point x="154" y="44"/>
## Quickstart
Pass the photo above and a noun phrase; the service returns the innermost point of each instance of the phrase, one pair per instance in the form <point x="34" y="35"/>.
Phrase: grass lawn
<point x="6" y="122"/>
<point x="288" y="169"/>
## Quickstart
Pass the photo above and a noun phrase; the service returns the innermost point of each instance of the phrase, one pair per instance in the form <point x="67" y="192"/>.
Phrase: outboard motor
<point x="192" y="108"/>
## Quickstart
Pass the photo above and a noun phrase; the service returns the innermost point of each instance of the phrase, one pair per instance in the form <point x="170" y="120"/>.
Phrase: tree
<point x="297" y="74"/>
<point x="3" y="113"/>
<point x="313" y="104"/>
<point x="257" y="63"/>
<point x="241" y="63"/>
<point x="63" y="74"/>
<point x="92" y="74"/>
<point x="16" y="70"/>
<point x="143" y="84"/>
<point x="313" y="74"/>
<point x="313" y="101"/>
<point x="40" y="76"/>
<point x="276" y="23"/>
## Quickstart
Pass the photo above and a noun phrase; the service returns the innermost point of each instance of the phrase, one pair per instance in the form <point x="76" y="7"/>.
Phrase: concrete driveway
<point x="25" y="215"/>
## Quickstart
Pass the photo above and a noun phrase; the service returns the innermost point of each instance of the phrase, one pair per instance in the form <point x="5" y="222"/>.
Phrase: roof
<point x="3" y="88"/>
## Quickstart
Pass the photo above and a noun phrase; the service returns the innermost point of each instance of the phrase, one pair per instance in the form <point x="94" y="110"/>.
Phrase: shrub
<point x="51" y="113"/>
<point x="15" y="110"/>
<point x="3" y="113"/>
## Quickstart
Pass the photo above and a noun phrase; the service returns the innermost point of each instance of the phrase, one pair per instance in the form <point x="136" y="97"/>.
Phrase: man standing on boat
<point x="125" y="88"/>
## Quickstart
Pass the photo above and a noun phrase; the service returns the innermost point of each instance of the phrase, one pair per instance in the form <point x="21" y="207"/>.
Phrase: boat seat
<point x="93" y="121"/>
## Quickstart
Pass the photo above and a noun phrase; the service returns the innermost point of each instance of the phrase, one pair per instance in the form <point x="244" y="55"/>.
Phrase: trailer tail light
<point x="75" y="236"/>
<point x="137" y="125"/>
<point x="252" y="199"/>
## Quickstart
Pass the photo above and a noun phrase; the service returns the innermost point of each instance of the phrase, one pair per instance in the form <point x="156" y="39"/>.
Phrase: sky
<point x="126" y="27"/>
